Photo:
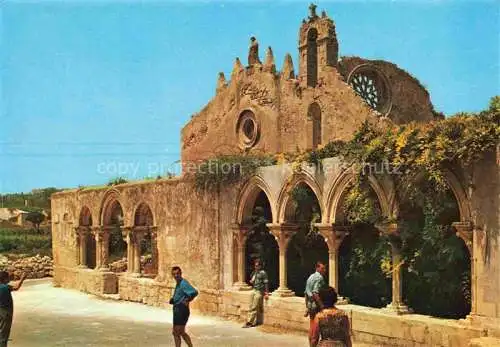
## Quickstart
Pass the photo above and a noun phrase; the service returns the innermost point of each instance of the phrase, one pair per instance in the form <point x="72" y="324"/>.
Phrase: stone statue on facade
<point x="312" y="9"/>
<point x="253" y="52"/>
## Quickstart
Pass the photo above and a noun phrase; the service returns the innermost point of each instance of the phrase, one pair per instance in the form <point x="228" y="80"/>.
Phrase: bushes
<point x="25" y="241"/>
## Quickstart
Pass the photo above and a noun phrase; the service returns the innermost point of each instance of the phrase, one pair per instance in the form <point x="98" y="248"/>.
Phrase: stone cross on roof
<point x="312" y="8"/>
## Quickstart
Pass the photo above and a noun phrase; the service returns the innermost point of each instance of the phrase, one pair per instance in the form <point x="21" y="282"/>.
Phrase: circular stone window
<point x="248" y="130"/>
<point x="372" y="85"/>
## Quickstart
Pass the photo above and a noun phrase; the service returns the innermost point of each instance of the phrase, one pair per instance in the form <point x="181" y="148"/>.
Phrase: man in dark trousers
<point x="7" y="305"/>
<point x="183" y="294"/>
<point x="260" y="285"/>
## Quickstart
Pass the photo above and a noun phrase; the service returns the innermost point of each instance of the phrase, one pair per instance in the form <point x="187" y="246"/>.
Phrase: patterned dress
<point x="334" y="328"/>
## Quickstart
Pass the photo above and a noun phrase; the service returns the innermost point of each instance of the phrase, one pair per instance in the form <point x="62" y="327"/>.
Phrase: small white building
<point x="13" y="215"/>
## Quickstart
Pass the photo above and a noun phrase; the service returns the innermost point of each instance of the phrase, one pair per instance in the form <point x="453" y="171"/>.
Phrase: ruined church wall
<point x="214" y="129"/>
<point x="342" y="112"/>
<point x="64" y="240"/>
<point x="411" y="101"/>
<point x="187" y="227"/>
<point x="281" y="109"/>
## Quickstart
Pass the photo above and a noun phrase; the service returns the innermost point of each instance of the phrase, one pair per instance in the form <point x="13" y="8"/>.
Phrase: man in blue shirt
<point x="7" y="305"/>
<point x="314" y="284"/>
<point x="183" y="294"/>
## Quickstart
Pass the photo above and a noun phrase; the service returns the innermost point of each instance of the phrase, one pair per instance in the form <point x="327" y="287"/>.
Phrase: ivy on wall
<point x="437" y="267"/>
<point x="414" y="150"/>
<point x="229" y="169"/>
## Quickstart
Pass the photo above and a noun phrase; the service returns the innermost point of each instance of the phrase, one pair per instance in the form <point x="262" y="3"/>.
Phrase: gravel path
<point x="48" y="316"/>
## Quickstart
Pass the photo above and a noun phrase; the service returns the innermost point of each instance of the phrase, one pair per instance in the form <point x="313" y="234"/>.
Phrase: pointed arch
<point x="460" y="195"/>
<point x="85" y="218"/>
<point x="109" y="201"/>
<point x="143" y="215"/>
<point x="284" y="195"/>
<point x="312" y="57"/>
<point x="248" y="195"/>
<point x="339" y="189"/>
<point x="314" y="115"/>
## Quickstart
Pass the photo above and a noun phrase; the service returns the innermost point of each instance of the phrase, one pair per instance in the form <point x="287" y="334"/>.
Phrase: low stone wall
<point x="369" y="325"/>
<point x="86" y="280"/>
<point x="151" y="292"/>
<point x="34" y="267"/>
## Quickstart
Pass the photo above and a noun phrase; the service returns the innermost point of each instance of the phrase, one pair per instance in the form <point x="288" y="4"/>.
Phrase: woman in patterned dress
<point x="330" y="327"/>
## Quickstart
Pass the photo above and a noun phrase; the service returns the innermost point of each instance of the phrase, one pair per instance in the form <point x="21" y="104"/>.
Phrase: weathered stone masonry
<point x="262" y="110"/>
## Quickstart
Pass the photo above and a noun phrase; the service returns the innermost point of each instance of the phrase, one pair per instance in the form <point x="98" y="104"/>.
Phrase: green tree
<point x="36" y="218"/>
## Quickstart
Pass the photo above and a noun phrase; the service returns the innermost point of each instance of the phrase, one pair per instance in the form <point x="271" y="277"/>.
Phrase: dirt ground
<point x="48" y="316"/>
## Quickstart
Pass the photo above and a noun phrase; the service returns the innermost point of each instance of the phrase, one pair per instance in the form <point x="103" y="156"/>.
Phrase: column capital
<point x="464" y="230"/>
<point x="392" y="231"/>
<point x="283" y="233"/>
<point x="240" y="233"/>
<point x="95" y="229"/>
<point x="82" y="230"/>
<point x="388" y="228"/>
<point x="333" y="234"/>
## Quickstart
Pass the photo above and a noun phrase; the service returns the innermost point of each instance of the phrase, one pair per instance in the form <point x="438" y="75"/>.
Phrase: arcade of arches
<point x="303" y="238"/>
<point x="288" y="219"/>
<point x="98" y="246"/>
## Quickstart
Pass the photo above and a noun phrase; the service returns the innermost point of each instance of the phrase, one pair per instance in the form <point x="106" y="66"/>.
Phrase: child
<point x="7" y="305"/>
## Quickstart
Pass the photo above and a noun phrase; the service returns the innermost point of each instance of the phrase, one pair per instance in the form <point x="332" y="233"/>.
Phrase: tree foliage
<point x="36" y="218"/>
<point x="117" y="180"/>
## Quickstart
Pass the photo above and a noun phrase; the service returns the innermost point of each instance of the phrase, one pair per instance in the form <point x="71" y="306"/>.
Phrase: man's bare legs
<point x="310" y="335"/>
<point x="180" y="331"/>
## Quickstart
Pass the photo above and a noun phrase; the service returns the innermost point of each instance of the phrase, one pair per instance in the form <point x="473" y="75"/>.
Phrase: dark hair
<point x="175" y="268"/>
<point x="328" y="296"/>
<point x="4" y="276"/>
<point x="318" y="263"/>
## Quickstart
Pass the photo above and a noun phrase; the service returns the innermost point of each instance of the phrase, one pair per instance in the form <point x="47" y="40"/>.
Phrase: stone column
<point x="240" y="234"/>
<point x="334" y="235"/>
<point x="283" y="234"/>
<point x="102" y="245"/>
<point x="154" y="250"/>
<point x="464" y="230"/>
<point x="128" y="236"/>
<point x="82" y="232"/>
<point x="397" y="305"/>
<point x="138" y="236"/>
<point x="98" y="246"/>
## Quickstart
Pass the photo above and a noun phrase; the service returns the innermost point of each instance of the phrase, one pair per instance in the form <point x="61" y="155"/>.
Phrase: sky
<point x="91" y="90"/>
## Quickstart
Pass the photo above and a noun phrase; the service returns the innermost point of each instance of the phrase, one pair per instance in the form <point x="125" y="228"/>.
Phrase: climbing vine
<point x="412" y="151"/>
<point x="229" y="169"/>
<point x="416" y="156"/>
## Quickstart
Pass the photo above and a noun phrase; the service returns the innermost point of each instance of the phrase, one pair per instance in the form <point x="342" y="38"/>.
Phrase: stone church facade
<point x="261" y="110"/>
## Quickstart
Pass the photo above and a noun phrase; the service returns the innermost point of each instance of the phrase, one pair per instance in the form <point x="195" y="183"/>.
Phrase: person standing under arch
<point x="260" y="284"/>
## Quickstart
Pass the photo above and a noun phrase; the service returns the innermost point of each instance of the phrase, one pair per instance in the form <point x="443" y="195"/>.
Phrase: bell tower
<point x="318" y="46"/>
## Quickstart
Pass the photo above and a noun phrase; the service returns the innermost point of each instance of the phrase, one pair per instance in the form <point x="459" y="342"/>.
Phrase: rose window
<point x="371" y="85"/>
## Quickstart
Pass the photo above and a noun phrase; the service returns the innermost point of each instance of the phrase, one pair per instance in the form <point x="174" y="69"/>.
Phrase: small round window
<point x="248" y="130"/>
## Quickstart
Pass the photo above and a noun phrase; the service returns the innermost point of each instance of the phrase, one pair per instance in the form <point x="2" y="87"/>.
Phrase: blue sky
<point x="92" y="89"/>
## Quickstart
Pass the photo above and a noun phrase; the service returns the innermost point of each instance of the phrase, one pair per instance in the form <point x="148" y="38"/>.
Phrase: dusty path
<point x="47" y="316"/>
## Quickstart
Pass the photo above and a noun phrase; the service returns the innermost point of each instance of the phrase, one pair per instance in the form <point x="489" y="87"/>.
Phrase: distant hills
<point x="36" y="200"/>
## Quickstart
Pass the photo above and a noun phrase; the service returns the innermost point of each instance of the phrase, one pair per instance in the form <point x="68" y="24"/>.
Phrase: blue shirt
<point x="6" y="297"/>
<point x="183" y="290"/>
<point x="314" y="284"/>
